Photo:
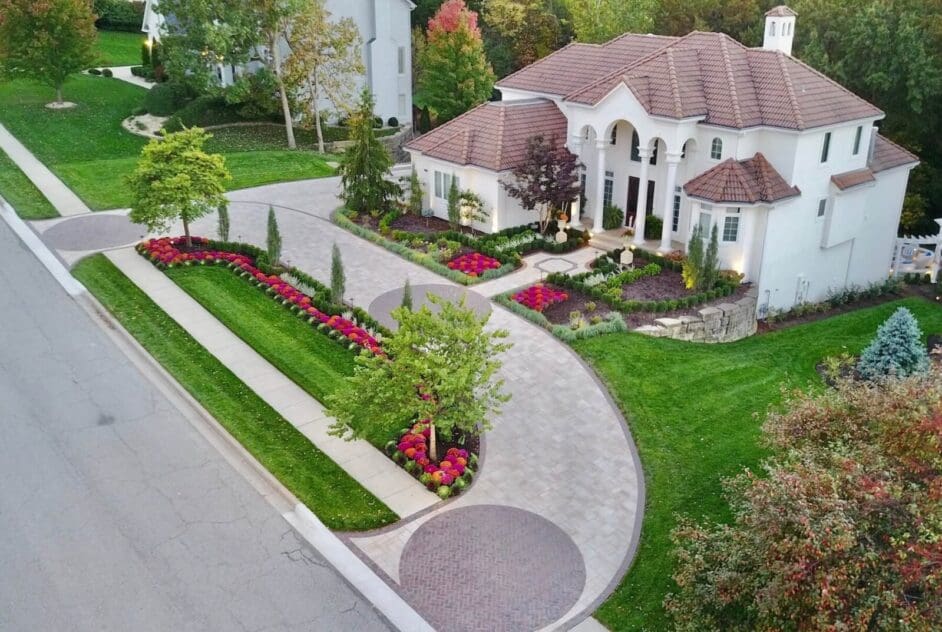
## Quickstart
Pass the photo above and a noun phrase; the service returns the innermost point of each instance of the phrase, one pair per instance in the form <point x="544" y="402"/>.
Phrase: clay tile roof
<point x="849" y="179"/>
<point x="781" y="11"/>
<point x="707" y="75"/>
<point x="749" y="181"/>
<point x="493" y="135"/>
<point x="887" y="155"/>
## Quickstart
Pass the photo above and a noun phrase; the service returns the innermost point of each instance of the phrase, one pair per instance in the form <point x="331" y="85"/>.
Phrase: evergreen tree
<point x="364" y="169"/>
<point x="711" y="261"/>
<point x="223" y="225"/>
<point x="415" y="194"/>
<point x="454" y="204"/>
<point x="693" y="264"/>
<point x="407" y="296"/>
<point x="897" y="350"/>
<point x="337" y="278"/>
<point x="273" y="241"/>
<point x="455" y="75"/>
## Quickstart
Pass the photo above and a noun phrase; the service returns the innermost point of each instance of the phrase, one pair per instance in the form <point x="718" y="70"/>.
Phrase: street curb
<point x="32" y="241"/>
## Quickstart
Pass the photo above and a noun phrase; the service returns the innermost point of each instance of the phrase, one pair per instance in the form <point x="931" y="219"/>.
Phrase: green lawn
<point x="22" y="194"/>
<point x="691" y="410"/>
<point x="117" y="48"/>
<point x="338" y="500"/>
<point x="87" y="147"/>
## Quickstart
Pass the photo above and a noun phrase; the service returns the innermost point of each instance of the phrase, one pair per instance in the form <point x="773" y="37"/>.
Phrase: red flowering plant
<point x="165" y="253"/>
<point x="538" y="297"/>
<point x="474" y="264"/>
<point x="447" y="477"/>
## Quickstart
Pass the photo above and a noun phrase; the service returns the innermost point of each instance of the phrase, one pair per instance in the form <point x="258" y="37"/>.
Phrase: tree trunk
<point x="317" y="114"/>
<point x="59" y="94"/>
<point x="186" y="233"/>
<point x="432" y="443"/>
<point x="285" y="106"/>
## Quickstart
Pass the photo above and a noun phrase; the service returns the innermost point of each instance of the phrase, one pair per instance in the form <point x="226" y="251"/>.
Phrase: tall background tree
<point x="596" y="21"/>
<point x="46" y="41"/>
<point x="519" y="32"/>
<point x="326" y="61"/>
<point x="275" y="19"/>
<point x="364" y="169"/>
<point x="454" y="74"/>
<point x="176" y="179"/>
<point x="547" y="181"/>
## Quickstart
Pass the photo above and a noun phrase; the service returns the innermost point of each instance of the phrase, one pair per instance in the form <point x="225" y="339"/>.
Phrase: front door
<point x="631" y="209"/>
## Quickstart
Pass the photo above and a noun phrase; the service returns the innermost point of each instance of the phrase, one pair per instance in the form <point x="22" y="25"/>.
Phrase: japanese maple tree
<point x="548" y="179"/>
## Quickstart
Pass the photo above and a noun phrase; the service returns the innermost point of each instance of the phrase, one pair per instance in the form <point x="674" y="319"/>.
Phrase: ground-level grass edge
<point x="331" y="494"/>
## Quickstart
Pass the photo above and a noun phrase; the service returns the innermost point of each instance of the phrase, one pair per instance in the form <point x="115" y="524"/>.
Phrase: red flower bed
<point x="538" y="297"/>
<point x="447" y="477"/>
<point x="166" y="251"/>
<point x="474" y="264"/>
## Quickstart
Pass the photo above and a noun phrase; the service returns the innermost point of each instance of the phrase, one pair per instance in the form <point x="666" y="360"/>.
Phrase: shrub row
<point x="612" y="323"/>
<point x="629" y="306"/>
<point x="414" y="256"/>
<point x="837" y="298"/>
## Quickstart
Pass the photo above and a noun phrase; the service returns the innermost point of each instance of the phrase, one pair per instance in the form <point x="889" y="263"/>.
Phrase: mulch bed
<point x="666" y="286"/>
<point x="558" y="313"/>
<point x="435" y="225"/>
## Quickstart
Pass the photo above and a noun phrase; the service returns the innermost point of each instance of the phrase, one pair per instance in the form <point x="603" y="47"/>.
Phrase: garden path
<point x="124" y="74"/>
<point x="560" y="496"/>
<point x="48" y="183"/>
<point x="537" y="266"/>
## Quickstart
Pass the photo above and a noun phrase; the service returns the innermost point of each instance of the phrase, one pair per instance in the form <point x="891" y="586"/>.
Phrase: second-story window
<point x="402" y="60"/>
<point x="716" y="149"/>
<point x="635" y="147"/>
<point x="857" y="136"/>
<point x="826" y="148"/>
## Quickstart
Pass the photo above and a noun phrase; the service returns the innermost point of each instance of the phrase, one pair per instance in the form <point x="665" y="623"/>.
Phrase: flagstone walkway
<point x="559" y="498"/>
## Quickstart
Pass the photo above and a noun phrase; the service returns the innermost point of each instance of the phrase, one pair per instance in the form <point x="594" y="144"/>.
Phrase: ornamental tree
<point x="842" y="531"/>
<point x="273" y="238"/>
<point x="897" y="350"/>
<point x="365" y="166"/>
<point x="338" y="279"/>
<point x="441" y="365"/>
<point x="528" y="27"/>
<point x="548" y="179"/>
<point x="693" y="264"/>
<point x="176" y="180"/>
<point x="46" y="41"/>
<point x="455" y="75"/>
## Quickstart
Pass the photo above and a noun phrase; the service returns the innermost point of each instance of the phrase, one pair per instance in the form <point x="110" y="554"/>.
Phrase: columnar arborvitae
<point x="223" y="226"/>
<point x="711" y="261"/>
<point x="407" y="296"/>
<point x="454" y="204"/>
<point x="693" y="264"/>
<point x="337" y="278"/>
<point x="274" y="237"/>
<point x="897" y="350"/>
<point x="415" y="193"/>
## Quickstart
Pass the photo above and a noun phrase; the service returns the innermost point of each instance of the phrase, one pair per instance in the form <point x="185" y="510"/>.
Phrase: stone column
<point x="575" y="146"/>
<point x="672" y="161"/>
<point x="601" y="147"/>
<point x="641" y="208"/>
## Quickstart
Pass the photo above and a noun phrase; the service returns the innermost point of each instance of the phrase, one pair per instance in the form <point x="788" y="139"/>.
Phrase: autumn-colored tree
<point x="843" y="531"/>
<point x="46" y="41"/>
<point x="454" y="73"/>
<point x="598" y="21"/>
<point x="326" y="60"/>
<point x="176" y="179"/>
<point x="548" y="179"/>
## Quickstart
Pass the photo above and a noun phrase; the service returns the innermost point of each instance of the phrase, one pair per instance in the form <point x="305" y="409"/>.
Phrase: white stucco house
<point x="385" y="29"/>
<point x="789" y="165"/>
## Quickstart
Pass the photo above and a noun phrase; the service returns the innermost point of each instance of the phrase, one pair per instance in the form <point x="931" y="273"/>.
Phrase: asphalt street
<point x="115" y="513"/>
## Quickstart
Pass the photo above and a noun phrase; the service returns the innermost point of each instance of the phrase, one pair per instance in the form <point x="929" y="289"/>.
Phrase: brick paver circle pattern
<point x="93" y="232"/>
<point x="491" y="568"/>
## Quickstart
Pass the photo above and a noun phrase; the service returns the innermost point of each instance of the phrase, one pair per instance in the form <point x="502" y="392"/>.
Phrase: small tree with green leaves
<point x="441" y="365"/>
<point x="415" y="194"/>
<point x="176" y="180"/>
<point x="454" y="204"/>
<point x="693" y="264"/>
<point x="897" y="350"/>
<point x="406" y="296"/>
<point x="273" y="239"/>
<point x="222" y="226"/>
<point x="337" y="278"/>
<point x="364" y="169"/>
<point x="711" y="261"/>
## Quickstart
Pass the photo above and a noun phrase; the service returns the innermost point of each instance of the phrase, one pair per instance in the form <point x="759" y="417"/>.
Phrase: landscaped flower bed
<point x="538" y="297"/>
<point x="474" y="264"/>
<point x="165" y="252"/>
<point x="446" y="478"/>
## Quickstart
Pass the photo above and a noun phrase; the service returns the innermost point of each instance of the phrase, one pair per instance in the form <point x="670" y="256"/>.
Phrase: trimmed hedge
<point x="119" y="15"/>
<point x="612" y="323"/>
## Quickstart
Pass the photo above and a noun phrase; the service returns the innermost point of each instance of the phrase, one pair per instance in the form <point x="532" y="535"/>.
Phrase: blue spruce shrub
<point x="897" y="350"/>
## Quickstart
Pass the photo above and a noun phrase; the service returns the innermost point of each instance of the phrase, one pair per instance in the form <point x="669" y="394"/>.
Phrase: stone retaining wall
<point x="725" y="322"/>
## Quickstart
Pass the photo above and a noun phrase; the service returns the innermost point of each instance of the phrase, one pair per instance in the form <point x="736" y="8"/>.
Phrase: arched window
<point x="615" y="135"/>
<point x="772" y="28"/>
<point x="635" y="147"/>
<point x="716" y="149"/>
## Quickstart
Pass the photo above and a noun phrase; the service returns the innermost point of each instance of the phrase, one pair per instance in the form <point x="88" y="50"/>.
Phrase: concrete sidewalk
<point x="378" y="474"/>
<point x="124" y="74"/>
<point x="61" y="196"/>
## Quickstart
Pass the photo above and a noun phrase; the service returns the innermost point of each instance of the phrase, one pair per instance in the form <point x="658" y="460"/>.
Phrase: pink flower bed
<point x="166" y="251"/>
<point x="449" y="476"/>
<point x="538" y="297"/>
<point x="474" y="264"/>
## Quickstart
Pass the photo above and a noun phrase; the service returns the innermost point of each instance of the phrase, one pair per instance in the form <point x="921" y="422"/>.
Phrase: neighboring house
<point x="806" y="195"/>
<point x="385" y="28"/>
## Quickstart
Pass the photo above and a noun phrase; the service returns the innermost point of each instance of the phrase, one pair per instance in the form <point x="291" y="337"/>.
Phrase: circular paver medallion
<point x="93" y="232"/>
<point x="491" y="568"/>
<point x="383" y="305"/>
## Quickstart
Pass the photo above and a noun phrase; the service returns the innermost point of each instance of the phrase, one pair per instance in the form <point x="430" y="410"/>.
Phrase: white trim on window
<point x="730" y="229"/>
<point x="716" y="149"/>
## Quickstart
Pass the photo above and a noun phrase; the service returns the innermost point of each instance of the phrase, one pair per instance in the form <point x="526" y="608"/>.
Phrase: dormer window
<point x="716" y="149"/>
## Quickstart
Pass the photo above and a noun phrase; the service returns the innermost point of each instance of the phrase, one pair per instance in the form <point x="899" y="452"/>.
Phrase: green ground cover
<point x="338" y="500"/>
<point x="691" y="409"/>
<point x="22" y="194"/>
<point x="91" y="152"/>
<point x="119" y="48"/>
